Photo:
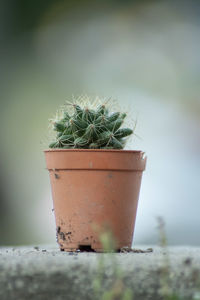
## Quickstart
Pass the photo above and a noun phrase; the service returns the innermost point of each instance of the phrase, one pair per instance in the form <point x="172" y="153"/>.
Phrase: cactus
<point x="90" y="129"/>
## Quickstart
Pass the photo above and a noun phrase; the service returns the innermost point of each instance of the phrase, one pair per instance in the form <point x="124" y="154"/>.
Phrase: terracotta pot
<point x="93" y="189"/>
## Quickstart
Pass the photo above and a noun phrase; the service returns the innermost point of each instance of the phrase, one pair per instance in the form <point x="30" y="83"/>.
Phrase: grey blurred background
<point x="143" y="53"/>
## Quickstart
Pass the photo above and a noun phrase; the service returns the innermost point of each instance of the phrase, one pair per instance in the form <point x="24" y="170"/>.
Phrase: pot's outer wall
<point x="94" y="190"/>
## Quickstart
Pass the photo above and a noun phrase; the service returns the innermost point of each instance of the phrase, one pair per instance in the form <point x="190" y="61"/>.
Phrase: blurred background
<point x="143" y="53"/>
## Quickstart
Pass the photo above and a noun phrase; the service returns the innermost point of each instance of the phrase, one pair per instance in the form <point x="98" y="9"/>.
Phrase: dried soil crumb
<point x="56" y="176"/>
<point x="130" y="250"/>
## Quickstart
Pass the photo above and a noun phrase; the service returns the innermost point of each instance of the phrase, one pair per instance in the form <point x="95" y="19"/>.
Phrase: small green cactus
<point x="90" y="129"/>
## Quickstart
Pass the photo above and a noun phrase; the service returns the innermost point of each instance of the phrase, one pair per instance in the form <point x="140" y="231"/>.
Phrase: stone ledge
<point x="46" y="273"/>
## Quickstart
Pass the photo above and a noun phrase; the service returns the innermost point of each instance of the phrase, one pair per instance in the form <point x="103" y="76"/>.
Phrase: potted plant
<point x="95" y="182"/>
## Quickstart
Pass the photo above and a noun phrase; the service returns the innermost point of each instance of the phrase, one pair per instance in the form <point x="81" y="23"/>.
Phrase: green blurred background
<point x="145" y="54"/>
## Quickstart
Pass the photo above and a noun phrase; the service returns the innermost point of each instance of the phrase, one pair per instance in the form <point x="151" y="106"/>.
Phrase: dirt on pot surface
<point x="60" y="234"/>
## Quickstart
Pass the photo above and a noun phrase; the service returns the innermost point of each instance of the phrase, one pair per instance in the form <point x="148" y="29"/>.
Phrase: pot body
<point x="94" y="191"/>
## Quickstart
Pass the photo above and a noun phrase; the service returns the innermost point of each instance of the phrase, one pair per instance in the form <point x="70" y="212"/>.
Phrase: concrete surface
<point x="45" y="273"/>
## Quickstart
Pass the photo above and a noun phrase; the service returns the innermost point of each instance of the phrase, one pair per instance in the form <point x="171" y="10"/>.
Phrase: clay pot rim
<point x="98" y="159"/>
<point x="94" y="150"/>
